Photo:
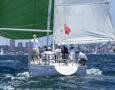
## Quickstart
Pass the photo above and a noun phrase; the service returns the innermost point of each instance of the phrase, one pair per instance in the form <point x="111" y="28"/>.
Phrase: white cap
<point x="77" y="50"/>
<point x="59" y="44"/>
<point x="62" y="44"/>
<point x="49" y="48"/>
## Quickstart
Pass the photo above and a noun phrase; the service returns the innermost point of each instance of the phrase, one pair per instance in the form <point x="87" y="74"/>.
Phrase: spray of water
<point x="95" y="72"/>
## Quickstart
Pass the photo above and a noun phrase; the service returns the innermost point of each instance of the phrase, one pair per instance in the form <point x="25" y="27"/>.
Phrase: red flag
<point x="67" y="29"/>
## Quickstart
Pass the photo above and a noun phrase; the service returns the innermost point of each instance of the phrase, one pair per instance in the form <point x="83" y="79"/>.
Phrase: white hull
<point x="36" y="70"/>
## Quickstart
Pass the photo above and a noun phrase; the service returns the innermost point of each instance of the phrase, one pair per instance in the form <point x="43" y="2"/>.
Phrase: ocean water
<point x="100" y="75"/>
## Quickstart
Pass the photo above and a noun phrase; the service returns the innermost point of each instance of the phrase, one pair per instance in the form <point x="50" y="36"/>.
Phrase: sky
<point x="112" y="11"/>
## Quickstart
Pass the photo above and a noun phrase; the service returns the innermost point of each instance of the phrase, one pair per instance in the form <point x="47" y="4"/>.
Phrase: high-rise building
<point x="28" y="49"/>
<point x="20" y="45"/>
<point x="12" y="45"/>
<point x="5" y="49"/>
<point x="1" y="51"/>
<point x="27" y="45"/>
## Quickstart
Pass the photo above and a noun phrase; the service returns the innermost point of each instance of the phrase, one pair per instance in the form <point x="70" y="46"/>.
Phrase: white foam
<point x="24" y="74"/>
<point x="21" y="76"/>
<point x="7" y="75"/>
<point x="5" y="87"/>
<point x="95" y="72"/>
<point x="14" y="80"/>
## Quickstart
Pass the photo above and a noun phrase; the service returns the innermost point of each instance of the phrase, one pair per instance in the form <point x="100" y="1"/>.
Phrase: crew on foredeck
<point x="60" y="54"/>
<point x="64" y="51"/>
<point x="72" y="53"/>
<point x="48" y="56"/>
<point x="81" y="57"/>
<point x="35" y="44"/>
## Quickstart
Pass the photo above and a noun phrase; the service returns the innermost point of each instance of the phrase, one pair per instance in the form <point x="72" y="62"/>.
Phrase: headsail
<point x="89" y="21"/>
<point x="24" y="14"/>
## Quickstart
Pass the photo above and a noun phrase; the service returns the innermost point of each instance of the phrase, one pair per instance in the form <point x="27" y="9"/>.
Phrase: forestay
<point x="89" y="21"/>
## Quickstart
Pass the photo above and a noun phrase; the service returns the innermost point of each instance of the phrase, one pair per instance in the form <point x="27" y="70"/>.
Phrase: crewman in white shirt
<point x="35" y="44"/>
<point x="82" y="58"/>
<point x="72" y="53"/>
<point x="58" y="53"/>
<point x="48" y="56"/>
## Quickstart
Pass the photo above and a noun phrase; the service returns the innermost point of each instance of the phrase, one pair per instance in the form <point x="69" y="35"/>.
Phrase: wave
<point x="6" y="87"/>
<point x="95" y="72"/>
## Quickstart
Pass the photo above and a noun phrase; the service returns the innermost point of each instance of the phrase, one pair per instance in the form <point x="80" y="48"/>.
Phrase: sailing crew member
<point x="48" y="56"/>
<point x="58" y="52"/>
<point x="64" y="51"/>
<point x="72" y="53"/>
<point x="35" y="44"/>
<point x="81" y="57"/>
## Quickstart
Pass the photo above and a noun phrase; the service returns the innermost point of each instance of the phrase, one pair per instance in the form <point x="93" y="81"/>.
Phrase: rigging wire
<point x="14" y="47"/>
<point x="23" y="25"/>
<point x="8" y="34"/>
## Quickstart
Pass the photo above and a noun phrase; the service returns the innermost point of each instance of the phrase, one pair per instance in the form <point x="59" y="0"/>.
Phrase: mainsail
<point x="89" y="20"/>
<point x="20" y="19"/>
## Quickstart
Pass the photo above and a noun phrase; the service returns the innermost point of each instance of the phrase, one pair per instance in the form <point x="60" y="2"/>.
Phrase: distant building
<point x="12" y="45"/>
<point x="20" y="47"/>
<point x="27" y="45"/>
<point x="28" y="49"/>
<point x="5" y="49"/>
<point x="1" y="51"/>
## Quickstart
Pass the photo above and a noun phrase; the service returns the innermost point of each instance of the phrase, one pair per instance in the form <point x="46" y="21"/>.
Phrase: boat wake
<point x="9" y="80"/>
<point x="95" y="72"/>
<point x="6" y="87"/>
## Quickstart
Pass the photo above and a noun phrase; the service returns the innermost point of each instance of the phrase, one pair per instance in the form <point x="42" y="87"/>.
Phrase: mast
<point x="48" y="19"/>
<point x="54" y="28"/>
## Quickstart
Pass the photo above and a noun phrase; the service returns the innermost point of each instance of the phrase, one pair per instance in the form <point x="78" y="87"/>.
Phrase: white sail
<point x="60" y="2"/>
<point x="89" y="21"/>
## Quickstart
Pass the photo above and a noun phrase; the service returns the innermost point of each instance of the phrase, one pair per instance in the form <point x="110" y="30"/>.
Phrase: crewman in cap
<point x="81" y="57"/>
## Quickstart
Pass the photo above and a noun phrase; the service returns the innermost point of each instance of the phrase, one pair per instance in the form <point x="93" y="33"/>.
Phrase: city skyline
<point x="42" y="41"/>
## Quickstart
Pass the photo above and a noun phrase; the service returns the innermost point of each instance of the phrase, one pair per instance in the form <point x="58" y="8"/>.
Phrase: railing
<point x="50" y="59"/>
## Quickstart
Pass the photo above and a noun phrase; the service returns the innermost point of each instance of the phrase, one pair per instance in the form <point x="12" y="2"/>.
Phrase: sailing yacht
<point x="89" y="21"/>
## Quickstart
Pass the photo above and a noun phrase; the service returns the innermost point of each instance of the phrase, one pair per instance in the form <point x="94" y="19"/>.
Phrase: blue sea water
<point x="100" y="75"/>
